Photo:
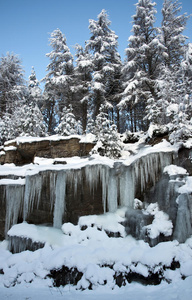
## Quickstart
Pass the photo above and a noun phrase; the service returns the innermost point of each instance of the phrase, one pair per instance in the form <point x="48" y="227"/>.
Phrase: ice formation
<point x="120" y="183"/>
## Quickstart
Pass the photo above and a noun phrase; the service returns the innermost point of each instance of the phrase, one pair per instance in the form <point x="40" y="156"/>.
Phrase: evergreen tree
<point x="166" y="105"/>
<point x="108" y="140"/>
<point x="26" y="120"/>
<point x="172" y="36"/>
<point x="83" y="77"/>
<point x="12" y="89"/>
<point x="143" y="58"/>
<point x="90" y="123"/>
<point x="186" y="67"/>
<point x="7" y="130"/>
<point x="34" y="90"/>
<point x="171" y="84"/>
<point x="106" y="60"/>
<point x="68" y="124"/>
<point x="59" y="80"/>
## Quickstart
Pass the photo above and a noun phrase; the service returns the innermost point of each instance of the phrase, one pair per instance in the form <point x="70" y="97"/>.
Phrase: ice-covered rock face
<point x="64" y="193"/>
<point x="173" y="195"/>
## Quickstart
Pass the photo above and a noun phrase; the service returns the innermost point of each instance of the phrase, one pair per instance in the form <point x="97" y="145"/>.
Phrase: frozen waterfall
<point x="57" y="188"/>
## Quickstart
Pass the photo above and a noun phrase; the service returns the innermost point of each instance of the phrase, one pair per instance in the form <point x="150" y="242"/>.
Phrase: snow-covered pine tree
<point x="34" y="90"/>
<point x="12" y="88"/>
<point x="172" y="27"/>
<point x="108" y="140"/>
<point x="186" y="69"/>
<point x="143" y="57"/>
<point x="182" y="117"/>
<point x="7" y="130"/>
<point x="171" y="81"/>
<point x="59" y="79"/>
<point x="83" y="77"/>
<point x="28" y="121"/>
<point x="68" y="124"/>
<point x="106" y="61"/>
<point x="90" y="123"/>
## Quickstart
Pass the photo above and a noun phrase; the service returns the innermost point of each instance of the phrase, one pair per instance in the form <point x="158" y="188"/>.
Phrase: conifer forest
<point x="96" y="91"/>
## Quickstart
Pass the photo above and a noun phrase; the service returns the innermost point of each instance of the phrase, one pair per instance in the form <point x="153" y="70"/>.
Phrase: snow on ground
<point x="98" y="257"/>
<point x="179" y="290"/>
<point x="90" y="250"/>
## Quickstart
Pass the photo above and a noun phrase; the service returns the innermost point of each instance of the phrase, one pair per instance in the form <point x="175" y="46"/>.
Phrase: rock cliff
<point x="22" y="150"/>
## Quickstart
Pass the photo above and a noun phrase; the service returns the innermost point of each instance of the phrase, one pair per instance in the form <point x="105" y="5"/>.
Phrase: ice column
<point x="112" y="192"/>
<point x="32" y="196"/>
<point x="127" y="187"/>
<point x="14" y="202"/>
<point x="59" y="206"/>
<point x="183" y="227"/>
<point x="104" y="178"/>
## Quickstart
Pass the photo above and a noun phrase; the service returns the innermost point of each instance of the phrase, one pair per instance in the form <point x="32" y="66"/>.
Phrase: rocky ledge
<point x="23" y="150"/>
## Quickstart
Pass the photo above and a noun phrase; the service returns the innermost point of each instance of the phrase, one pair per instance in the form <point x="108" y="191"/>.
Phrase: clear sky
<point x="25" y="25"/>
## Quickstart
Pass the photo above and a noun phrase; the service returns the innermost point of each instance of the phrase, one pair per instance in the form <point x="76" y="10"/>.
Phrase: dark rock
<point x="17" y="244"/>
<point x="24" y="153"/>
<point x="184" y="159"/>
<point x="113" y="234"/>
<point x="59" y="162"/>
<point x="151" y="279"/>
<point x="64" y="276"/>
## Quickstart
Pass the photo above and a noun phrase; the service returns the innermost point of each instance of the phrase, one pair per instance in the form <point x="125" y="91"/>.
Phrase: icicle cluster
<point x="119" y="183"/>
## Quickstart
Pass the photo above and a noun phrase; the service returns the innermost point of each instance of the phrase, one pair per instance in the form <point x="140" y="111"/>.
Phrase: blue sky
<point x="25" y="25"/>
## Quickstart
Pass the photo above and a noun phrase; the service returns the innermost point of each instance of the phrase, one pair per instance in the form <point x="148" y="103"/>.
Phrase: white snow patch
<point x="88" y="138"/>
<point x="44" y="234"/>
<point x="7" y="181"/>
<point x="187" y="187"/>
<point x="109" y="222"/>
<point x="160" y="224"/>
<point x="188" y="143"/>
<point x="173" y="170"/>
<point x="30" y="139"/>
<point x="10" y="148"/>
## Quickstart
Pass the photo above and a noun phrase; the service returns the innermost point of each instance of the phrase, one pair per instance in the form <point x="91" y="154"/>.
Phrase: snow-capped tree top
<point x="172" y="28"/>
<point x="33" y="82"/>
<point x="103" y="38"/>
<point x="10" y="67"/>
<point x="146" y="10"/>
<point x="61" y="57"/>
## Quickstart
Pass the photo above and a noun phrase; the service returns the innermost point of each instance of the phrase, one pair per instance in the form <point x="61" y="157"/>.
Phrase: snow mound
<point x="173" y="170"/>
<point x="101" y="260"/>
<point x="187" y="187"/>
<point x="161" y="223"/>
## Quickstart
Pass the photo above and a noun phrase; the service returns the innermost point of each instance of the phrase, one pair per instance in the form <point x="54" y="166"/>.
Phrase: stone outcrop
<point x="21" y="153"/>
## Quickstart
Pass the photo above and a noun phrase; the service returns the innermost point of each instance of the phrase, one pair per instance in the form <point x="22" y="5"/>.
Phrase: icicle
<point x="59" y="206"/>
<point x="14" y="202"/>
<point x="127" y="187"/>
<point x="104" y="177"/>
<point x="112" y="192"/>
<point x="32" y="196"/>
<point x="74" y="178"/>
<point x="52" y="187"/>
<point x="92" y="174"/>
